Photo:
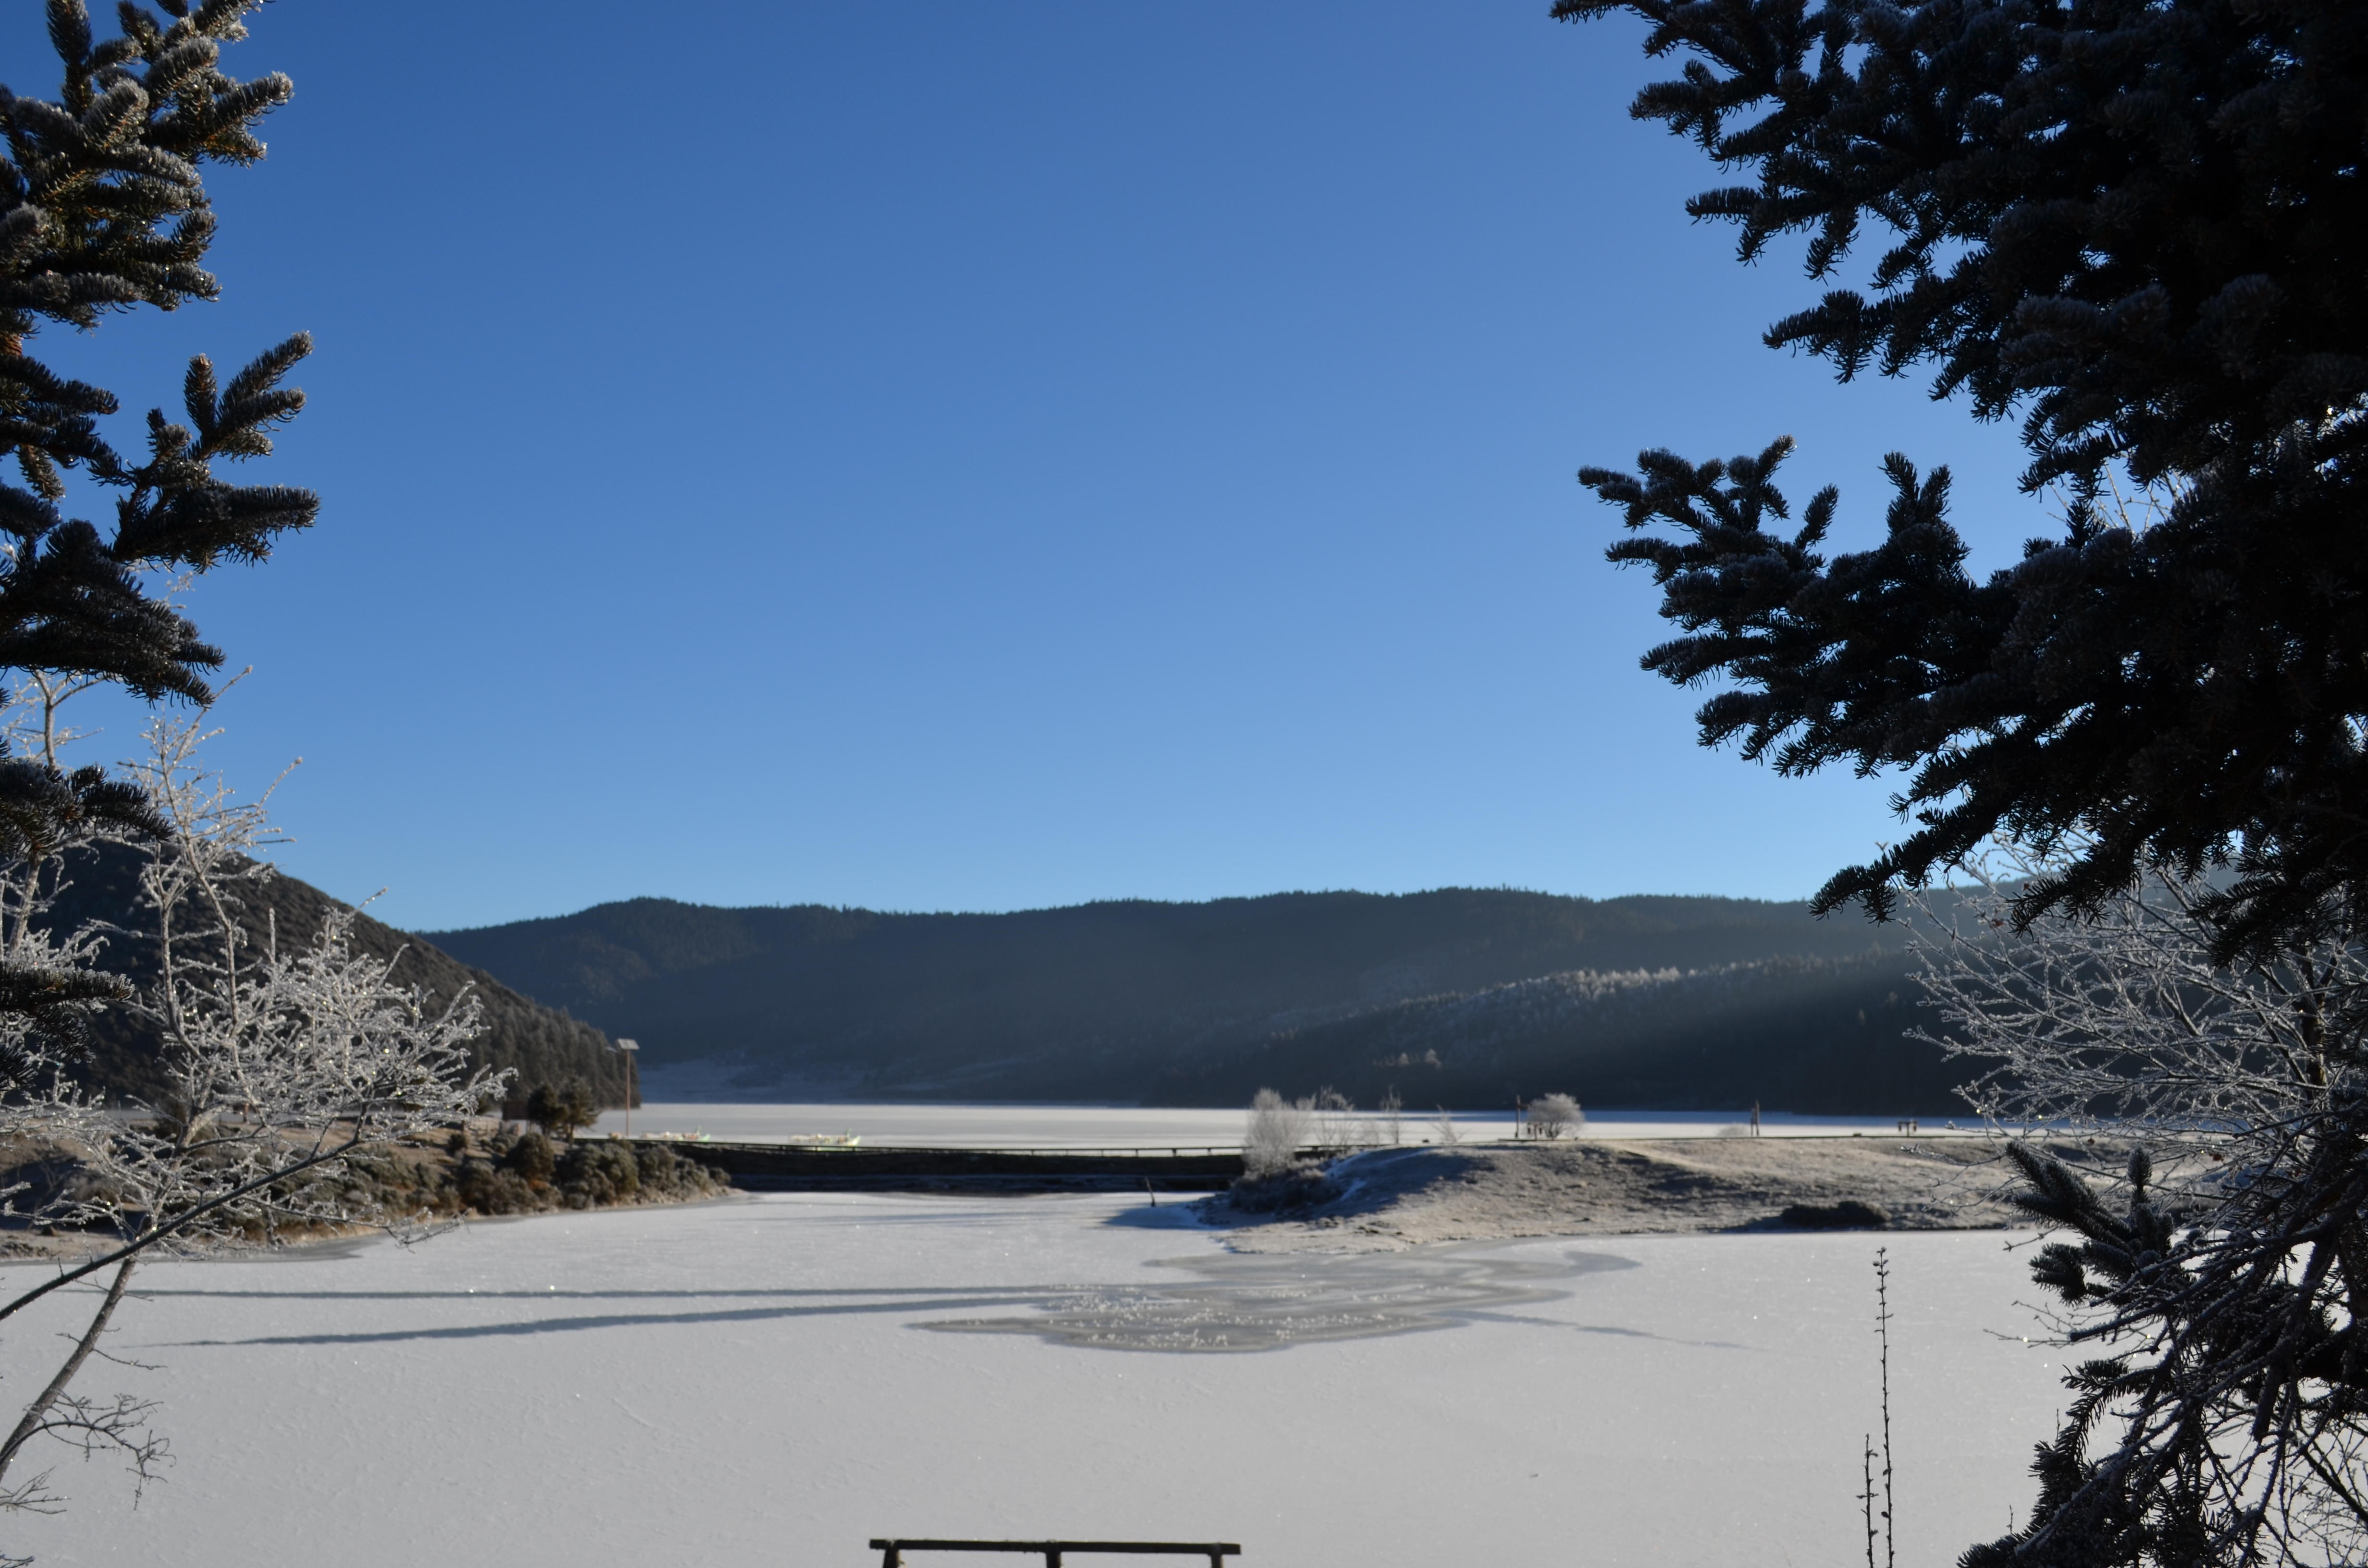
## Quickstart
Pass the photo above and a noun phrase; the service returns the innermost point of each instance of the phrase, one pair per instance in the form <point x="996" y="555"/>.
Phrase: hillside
<point x="541" y="1044"/>
<point x="1462" y="996"/>
<point x="1805" y="1034"/>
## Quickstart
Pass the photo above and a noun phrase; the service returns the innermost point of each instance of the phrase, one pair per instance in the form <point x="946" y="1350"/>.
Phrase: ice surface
<point x="1265" y="1304"/>
<point x="1058" y="1126"/>
<point x="775" y="1380"/>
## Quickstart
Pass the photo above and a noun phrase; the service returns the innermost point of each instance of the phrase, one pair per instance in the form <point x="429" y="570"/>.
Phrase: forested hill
<point x="541" y="1044"/>
<point x="1718" y="1001"/>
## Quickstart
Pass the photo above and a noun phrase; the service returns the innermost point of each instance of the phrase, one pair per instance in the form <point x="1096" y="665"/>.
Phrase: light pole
<point x="631" y="1047"/>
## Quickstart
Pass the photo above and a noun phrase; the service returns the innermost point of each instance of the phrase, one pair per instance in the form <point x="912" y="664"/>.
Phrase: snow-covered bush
<point x="1551" y="1116"/>
<point x="1277" y="1131"/>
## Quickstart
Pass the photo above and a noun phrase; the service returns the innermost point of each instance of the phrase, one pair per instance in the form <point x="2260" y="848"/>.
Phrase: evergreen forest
<point x="1463" y="997"/>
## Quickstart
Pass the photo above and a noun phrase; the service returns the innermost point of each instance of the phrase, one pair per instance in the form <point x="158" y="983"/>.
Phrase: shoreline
<point x="1397" y="1199"/>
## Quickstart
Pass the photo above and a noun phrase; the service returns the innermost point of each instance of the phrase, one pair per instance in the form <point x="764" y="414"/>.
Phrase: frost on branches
<point x="281" y="1064"/>
<point x="2222" y="1416"/>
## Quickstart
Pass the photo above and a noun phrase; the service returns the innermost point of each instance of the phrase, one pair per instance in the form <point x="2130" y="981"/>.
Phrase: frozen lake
<point x="774" y="1380"/>
<point x="1073" y="1126"/>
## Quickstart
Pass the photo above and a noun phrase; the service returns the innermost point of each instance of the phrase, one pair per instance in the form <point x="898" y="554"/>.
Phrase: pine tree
<point x="102" y="211"/>
<point x="2141" y="225"/>
<point x="561" y="1110"/>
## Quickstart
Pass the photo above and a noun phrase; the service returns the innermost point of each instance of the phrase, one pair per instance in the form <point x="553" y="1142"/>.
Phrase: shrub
<point x="489" y="1188"/>
<point x="1850" y="1214"/>
<point x="590" y="1173"/>
<point x="531" y="1156"/>
<point x="1333" y="1109"/>
<point x="663" y="1173"/>
<point x="1551" y="1116"/>
<point x="658" y="1165"/>
<point x="1294" y="1187"/>
<point x="1276" y="1131"/>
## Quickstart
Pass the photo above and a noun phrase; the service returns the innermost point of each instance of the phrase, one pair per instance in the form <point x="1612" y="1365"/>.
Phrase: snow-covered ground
<point x="775" y="1380"/>
<point x="1073" y="1126"/>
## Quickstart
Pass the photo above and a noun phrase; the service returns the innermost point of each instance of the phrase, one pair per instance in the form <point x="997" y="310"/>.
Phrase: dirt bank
<point x="1399" y="1197"/>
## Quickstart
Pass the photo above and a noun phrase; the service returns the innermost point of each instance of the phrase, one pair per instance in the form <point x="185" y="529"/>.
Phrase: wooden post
<point x="892" y="1551"/>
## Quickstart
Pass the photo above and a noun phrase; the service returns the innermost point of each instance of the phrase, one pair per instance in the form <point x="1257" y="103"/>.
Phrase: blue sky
<point x="957" y="457"/>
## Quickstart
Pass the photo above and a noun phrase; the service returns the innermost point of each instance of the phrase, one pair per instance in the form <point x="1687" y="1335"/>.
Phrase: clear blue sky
<point x="984" y="457"/>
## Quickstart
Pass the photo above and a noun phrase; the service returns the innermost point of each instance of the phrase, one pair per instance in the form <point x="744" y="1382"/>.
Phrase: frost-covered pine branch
<point x="2223" y="1415"/>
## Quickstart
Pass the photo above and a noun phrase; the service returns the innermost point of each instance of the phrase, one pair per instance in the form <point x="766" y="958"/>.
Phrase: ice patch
<point x="1270" y="1303"/>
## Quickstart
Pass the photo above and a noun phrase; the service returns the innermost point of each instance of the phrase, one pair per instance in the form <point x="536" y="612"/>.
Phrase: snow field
<point x="753" y="1382"/>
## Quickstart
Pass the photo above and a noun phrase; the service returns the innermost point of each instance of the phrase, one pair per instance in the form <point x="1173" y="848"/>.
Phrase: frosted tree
<point x="281" y="1066"/>
<point x="1551" y="1116"/>
<point x="2222" y="1416"/>
<point x="1276" y="1131"/>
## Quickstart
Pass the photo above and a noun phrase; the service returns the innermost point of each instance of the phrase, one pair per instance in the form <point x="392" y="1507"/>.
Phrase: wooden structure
<point x="892" y="1553"/>
<point x="805" y="1167"/>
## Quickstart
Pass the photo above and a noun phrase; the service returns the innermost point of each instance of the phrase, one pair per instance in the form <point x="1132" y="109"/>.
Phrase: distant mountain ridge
<point x="1203" y="1003"/>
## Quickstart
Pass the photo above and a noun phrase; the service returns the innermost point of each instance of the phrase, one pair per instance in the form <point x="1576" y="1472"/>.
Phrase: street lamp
<point x="631" y="1047"/>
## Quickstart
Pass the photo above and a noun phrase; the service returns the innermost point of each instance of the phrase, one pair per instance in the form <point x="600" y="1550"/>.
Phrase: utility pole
<point x="633" y="1049"/>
